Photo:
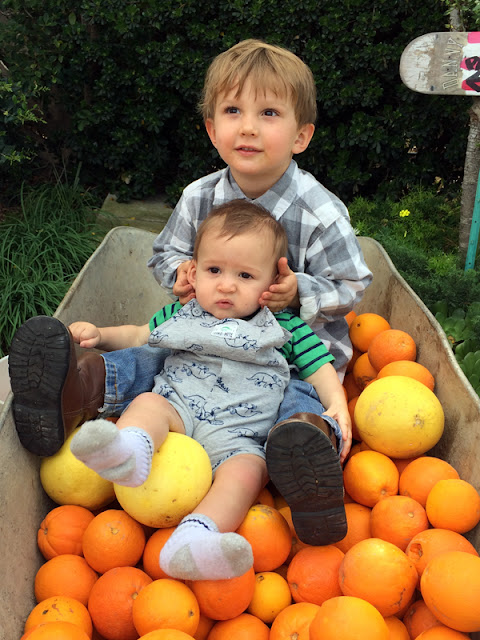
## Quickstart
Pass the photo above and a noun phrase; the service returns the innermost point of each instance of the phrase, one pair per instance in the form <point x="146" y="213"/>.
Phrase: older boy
<point x="259" y="106"/>
<point x="222" y="385"/>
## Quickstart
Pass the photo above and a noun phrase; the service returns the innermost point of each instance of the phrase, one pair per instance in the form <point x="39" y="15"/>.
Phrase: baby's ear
<point x="192" y="273"/>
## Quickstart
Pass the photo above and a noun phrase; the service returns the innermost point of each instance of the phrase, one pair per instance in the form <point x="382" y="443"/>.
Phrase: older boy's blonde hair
<point x="266" y="66"/>
<point x="238" y="217"/>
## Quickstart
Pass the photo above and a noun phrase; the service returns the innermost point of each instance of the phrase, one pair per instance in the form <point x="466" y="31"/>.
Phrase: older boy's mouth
<point x="247" y="150"/>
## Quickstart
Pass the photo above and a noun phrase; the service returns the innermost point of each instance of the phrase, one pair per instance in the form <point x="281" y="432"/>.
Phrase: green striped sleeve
<point x="305" y="350"/>
<point x="164" y="314"/>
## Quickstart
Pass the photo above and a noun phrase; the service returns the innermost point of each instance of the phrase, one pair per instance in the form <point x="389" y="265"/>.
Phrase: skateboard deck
<point x="445" y="63"/>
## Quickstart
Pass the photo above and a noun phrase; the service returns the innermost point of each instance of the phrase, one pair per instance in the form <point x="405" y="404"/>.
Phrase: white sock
<point x="123" y="456"/>
<point x="197" y="551"/>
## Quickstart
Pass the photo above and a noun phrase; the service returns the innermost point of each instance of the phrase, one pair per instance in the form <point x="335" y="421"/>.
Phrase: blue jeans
<point x="130" y="372"/>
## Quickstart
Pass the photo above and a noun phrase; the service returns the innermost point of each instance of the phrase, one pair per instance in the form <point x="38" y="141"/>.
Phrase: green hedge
<point x="123" y="78"/>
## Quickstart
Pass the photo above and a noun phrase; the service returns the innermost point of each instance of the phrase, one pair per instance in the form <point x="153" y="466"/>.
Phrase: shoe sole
<point x="304" y="466"/>
<point x="38" y="362"/>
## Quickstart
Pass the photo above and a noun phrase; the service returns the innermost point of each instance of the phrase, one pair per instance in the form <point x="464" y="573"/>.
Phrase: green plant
<point x="41" y="251"/>
<point x="124" y="79"/>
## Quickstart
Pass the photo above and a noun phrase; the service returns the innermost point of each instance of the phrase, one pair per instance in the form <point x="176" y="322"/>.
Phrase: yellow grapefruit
<point x="66" y="480"/>
<point x="180" y="477"/>
<point x="399" y="416"/>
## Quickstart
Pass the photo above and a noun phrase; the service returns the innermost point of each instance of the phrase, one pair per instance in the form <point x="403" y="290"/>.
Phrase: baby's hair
<point x="267" y="67"/>
<point x="237" y="217"/>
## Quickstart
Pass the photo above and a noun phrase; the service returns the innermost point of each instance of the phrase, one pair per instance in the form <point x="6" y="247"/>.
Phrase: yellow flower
<point x="404" y="213"/>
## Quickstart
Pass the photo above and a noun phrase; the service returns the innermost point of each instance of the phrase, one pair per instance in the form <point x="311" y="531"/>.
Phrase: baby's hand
<point x="85" y="334"/>
<point x="182" y="288"/>
<point x="283" y="293"/>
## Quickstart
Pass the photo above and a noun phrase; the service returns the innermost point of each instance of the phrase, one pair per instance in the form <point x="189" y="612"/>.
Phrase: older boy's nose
<point x="248" y="126"/>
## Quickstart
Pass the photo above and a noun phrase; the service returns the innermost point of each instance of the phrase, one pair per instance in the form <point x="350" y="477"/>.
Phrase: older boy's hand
<point x="342" y="417"/>
<point x="182" y="288"/>
<point x="283" y="293"/>
<point x="85" y="334"/>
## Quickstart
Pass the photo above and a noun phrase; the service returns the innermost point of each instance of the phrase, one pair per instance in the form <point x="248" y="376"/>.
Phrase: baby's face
<point x="231" y="274"/>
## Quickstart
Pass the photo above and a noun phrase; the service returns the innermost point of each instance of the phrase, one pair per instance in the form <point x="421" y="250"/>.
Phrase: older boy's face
<point x="256" y="134"/>
<point x="231" y="274"/>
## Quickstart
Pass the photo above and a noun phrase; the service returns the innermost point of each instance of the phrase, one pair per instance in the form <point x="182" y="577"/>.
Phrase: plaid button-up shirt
<point x="323" y="250"/>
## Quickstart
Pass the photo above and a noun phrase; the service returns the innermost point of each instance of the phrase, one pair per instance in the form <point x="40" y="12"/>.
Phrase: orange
<point x="271" y="595"/>
<point x="418" y="477"/>
<point x="293" y="623"/>
<point x="410" y="369"/>
<point x="450" y="586"/>
<point x="379" y="572"/>
<point x="453" y="504"/>
<point x="61" y="531"/>
<point x="397" y="519"/>
<point x="166" y="634"/>
<point x="358" y="525"/>
<point x="398" y="631"/>
<point x="390" y="346"/>
<point x="204" y="626"/>
<point x="442" y="633"/>
<point x="243" y="627"/>
<point x="59" y="630"/>
<point x="269" y="535"/>
<point x="369" y="476"/>
<point x="297" y="544"/>
<point x="401" y="464"/>
<point x="356" y="353"/>
<point x="353" y="450"/>
<point x="111" y="602"/>
<point x="60" y="608"/>
<point x="65" y="575"/>
<point x="113" y="539"/>
<point x="348" y="618"/>
<point x="432" y="542"/>
<point x="419" y="618"/>
<point x="265" y="497"/>
<point x="151" y="553"/>
<point x="313" y="574"/>
<point x="351" y="410"/>
<point x="363" y="371"/>
<point x="166" y="604"/>
<point x="351" y="387"/>
<point x="350" y="317"/>
<point x="224" y="599"/>
<point x="364" y="328"/>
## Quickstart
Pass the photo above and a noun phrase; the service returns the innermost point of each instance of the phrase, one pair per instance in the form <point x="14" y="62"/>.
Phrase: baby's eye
<point x="245" y="275"/>
<point x="214" y="270"/>
<point x="270" y="112"/>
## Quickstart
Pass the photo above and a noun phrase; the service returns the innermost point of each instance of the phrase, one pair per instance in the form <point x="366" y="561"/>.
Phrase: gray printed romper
<point x="225" y="378"/>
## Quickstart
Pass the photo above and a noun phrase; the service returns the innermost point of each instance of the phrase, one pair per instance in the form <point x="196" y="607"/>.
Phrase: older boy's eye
<point x="232" y="110"/>
<point x="270" y="112"/>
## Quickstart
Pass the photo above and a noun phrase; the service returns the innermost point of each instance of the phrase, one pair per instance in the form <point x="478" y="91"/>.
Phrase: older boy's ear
<point x="210" y="127"/>
<point x="304" y="136"/>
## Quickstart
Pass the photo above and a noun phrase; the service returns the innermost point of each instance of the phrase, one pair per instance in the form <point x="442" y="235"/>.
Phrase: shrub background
<point x="117" y="84"/>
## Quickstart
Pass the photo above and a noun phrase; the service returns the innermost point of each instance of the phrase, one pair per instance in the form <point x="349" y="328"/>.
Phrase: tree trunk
<point x="470" y="177"/>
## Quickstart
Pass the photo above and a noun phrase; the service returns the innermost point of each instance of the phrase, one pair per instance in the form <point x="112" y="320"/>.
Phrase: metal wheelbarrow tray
<point x="115" y="287"/>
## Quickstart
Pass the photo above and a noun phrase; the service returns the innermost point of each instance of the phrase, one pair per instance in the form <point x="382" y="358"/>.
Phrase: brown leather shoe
<point x="304" y="466"/>
<point x="52" y="392"/>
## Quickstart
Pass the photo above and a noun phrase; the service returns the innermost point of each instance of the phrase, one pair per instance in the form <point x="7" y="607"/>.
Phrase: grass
<point x="42" y="249"/>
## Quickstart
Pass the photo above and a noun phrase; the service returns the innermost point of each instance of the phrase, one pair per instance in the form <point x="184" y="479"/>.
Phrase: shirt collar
<point x="276" y="200"/>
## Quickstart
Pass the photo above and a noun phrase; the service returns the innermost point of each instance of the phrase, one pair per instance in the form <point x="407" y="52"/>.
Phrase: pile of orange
<point x="404" y="570"/>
